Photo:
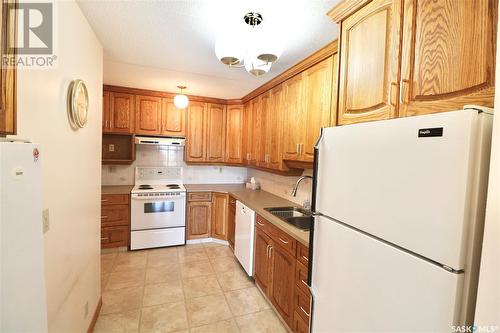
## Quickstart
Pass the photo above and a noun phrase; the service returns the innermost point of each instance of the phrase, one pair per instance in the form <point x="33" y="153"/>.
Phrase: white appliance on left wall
<point x="22" y="278"/>
<point x="158" y="208"/>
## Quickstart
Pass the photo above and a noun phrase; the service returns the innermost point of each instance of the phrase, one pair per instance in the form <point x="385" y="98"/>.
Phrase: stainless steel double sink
<point x="295" y="216"/>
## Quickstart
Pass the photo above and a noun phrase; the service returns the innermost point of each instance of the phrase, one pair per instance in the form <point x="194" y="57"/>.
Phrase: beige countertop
<point x="116" y="189"/>
<point x="257" y="201"/>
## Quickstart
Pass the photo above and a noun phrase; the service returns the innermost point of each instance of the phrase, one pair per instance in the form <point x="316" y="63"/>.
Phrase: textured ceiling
<point x="161" y="44"/>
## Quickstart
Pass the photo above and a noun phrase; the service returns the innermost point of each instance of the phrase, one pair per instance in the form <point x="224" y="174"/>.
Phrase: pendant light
<point x="181" y="101"/>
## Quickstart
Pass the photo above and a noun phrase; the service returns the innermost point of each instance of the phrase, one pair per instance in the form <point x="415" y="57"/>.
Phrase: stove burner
<point x="173" y="186"/>
<point x="145" y="187"/>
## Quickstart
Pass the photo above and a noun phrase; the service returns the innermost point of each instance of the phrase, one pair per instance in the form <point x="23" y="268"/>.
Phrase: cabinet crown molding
<point x="345" y="8"/>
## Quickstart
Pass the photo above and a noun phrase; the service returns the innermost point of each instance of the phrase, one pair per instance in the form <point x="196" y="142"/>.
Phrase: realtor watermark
<point x="32" y="47"/>
<point x="475" y="329"/>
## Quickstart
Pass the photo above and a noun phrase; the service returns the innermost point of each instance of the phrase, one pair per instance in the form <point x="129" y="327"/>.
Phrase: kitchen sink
<point x="297" y="217"/>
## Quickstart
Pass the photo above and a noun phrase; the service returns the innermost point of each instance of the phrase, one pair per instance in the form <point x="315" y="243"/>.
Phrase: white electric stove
<point x="158" y="208"/>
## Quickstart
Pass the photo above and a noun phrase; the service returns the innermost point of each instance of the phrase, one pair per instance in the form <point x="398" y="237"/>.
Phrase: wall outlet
<point x="86" y="309"/>
<point x="45" y="220"/>
<point x="111" y="147"/>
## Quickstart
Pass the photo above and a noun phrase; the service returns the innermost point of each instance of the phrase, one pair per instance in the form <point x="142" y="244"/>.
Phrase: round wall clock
<point x="78" y="103"/>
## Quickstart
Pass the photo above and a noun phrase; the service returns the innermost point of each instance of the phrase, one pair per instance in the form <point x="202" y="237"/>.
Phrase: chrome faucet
<point x="296" y="186"/>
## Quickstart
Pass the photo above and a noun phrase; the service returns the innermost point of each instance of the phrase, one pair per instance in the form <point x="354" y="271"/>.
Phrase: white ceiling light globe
<point x="181" y="101"/>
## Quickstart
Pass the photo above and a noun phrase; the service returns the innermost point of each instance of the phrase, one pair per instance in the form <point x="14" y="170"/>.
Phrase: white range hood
<point x="149" y="140"/>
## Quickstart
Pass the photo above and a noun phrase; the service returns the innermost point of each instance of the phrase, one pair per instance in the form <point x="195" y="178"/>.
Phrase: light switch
<point x="45" y="220"/>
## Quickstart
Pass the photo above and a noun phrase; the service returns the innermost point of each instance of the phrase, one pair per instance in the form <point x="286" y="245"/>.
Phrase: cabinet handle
<point x="232" y="201"/>
<point x="304" y="282"/>
<point x="261" y="224"/>
<point x="270" y="251"/>
<point x="307" y="314"/>
<point x="104" y="200"/>
<point x="104" y="217"/>
<point x="267" y="250"/>
<point x="305" y="258"/>
<point x="298" y="148"/>
<point x="283" y="241"/>
<point x="104" y="238"/>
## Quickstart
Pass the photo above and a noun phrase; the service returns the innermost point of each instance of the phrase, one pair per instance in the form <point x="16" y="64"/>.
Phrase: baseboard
<point x="207" y="240"/>
<point x="94" y="317"/>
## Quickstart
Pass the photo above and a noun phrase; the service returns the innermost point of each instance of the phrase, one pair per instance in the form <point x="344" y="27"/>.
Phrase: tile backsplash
<point x="150" y="155"/>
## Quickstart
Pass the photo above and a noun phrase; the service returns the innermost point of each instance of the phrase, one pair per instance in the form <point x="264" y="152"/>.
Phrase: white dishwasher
<point x="243" y="236"/>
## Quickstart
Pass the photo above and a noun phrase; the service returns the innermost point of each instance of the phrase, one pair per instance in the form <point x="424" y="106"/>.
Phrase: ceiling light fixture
<point x="181" y="101"/>
<point x="256" y="51"/>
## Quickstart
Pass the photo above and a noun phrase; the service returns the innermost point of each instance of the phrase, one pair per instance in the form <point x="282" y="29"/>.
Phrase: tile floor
<point x="194" y="288"/>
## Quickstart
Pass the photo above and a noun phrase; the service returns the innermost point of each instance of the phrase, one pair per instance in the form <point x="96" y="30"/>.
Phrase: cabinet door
<point x="369" y="63"/>
<point x="122" y="108"/>
<point x="231" y="221"/>
<point x="262" y="260"/>
<point x="147" y="115"/>
<point x="106" y="113"/>
<point x="274" y="129"/>
<point x="219" y="215"/>
<point x="216" y="134"/>
<point x="262" y="118"/>
<point x="234" y="134"/>
<point x="248" y="132"/>
<point x="258" y="128"/>
<point x="199" y="216"/>
<point x="8" y="88"/>
<point x="317" y="101"/>
<point x="283" y="282"/>
<point x="195" y="150"/>
<point x="448" y="55"/>
<point x="294" y="121"/>
<point x="114" y="236"/>
<point x="172" y="119"/>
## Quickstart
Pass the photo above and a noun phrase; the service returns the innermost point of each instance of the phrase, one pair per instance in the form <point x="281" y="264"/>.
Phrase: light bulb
<point x="181" y="101"/>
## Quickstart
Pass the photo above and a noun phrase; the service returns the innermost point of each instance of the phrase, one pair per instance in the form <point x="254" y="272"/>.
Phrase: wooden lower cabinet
<point x="115" y="220"/>
<point x="199" y="217"/>
<point x="274" y="269"/>
<point x="231" y="221"/>
<point x="219" y="215"/>
<point x="207" y="215"/>
<point x="299" y="325"/>
<point x="302" y="296"/>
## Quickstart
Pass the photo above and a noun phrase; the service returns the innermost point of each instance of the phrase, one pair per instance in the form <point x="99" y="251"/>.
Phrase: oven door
<point x="157" y="212"/>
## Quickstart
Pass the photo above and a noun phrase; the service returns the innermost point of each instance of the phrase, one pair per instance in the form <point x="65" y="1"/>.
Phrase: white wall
<point x="71" y="169"/>
<point x="172" y="156"/>
<point x="488" y="298"/>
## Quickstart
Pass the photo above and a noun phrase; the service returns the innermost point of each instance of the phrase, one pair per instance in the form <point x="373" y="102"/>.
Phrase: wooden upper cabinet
<point x="216" y="136"/>
<point x="261" y="139"/>
<point x="448" y="55"/>
<point x="219" y="215"/>
<point x="248" y="131"/>
<point x="274" y="129"/>
<point x="258" y="128"/>
<point x="173" y="121"/>
<point x="122" y="110"/>
<point x="8" y="91"/>
<point x="317" y="104"/>
<point x="234" y="134"/>
<point x="195" y="149"/>
<point x="148" y="115"/>
<point x="369" y="52"/>
<point x="106" y="113"/>
<point x="293" y="118"/>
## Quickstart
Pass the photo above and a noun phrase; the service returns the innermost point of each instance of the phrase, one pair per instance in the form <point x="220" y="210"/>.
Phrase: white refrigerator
<point x="399" y="219"/>
<point x="22" y="279"/>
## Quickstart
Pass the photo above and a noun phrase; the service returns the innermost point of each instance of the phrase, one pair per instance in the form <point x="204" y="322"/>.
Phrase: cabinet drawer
<point x="114" y="199"/>
<point x="301" y="277"/>
<point x="200" y="196"/>
<point x="114" y="215"/>
<point x="286" y="241"/>
<point x="114" y="236"/>
<point x="303" y="254"/>
<point x="303" y="304"/>
<point x="299" y="324"/>
<point x="266" y="226"/>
